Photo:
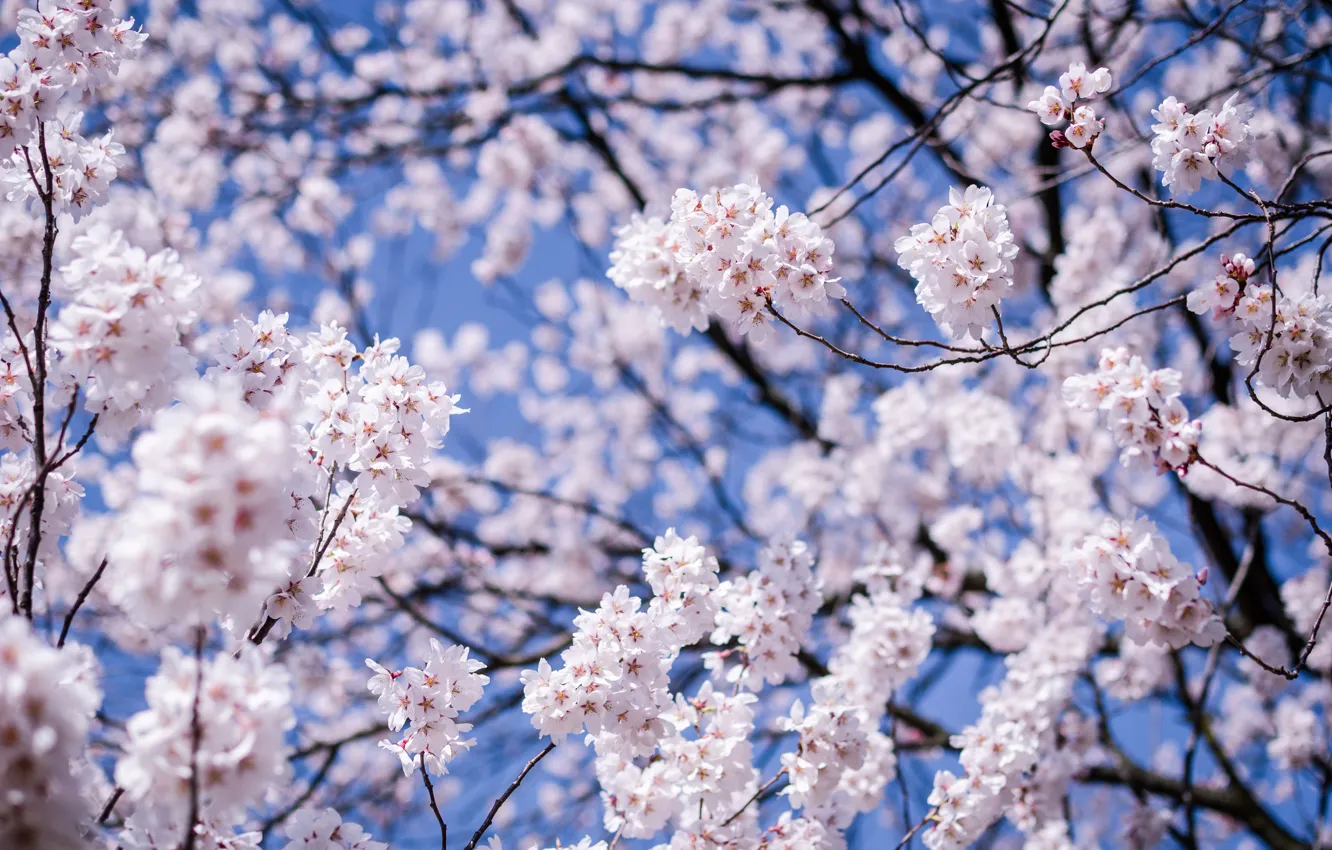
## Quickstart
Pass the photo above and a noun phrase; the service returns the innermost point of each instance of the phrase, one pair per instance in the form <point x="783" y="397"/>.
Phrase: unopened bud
<point x="1059" y="140"/>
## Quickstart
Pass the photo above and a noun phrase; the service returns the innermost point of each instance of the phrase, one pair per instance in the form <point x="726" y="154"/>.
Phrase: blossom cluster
<point x="962" y="261"/>
<point x="309" y="829"/>
<point x="701" y="777"/>
<point x="1018" y="722"/>
<point x="381" y="421"/>
<point x="1190" y="147"/>
<point x="729" y="251"/>
<point x="1289" y="337"/>
<point x="47" y="699"/>
<point x="767" y="612"/>
<point x="63" y="53"/>
<point x="207" y="533"/>
<point x="119" y="334"/>
<point x="1068" y="103"/>
<point x="832" y="743"/>
<point x="615" y="680"/>
<point x="1147" y="417"/>
<point x="80" y="170"/>
<point x="239" y="708"/>
<point x="643" y="264"/>
<point x="1127" y="572"/>
<point x="429" y="701"/>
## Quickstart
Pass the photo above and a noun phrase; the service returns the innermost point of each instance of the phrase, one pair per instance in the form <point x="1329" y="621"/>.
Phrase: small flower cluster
<point x="310" y="829"/>
<point x="18" y="474"/>
<point x="1300" y="735"/>
<point x="842" y="761"/>
<point x="264" y="354"/>
<point x="735" y="249"/>
<point x="47" y="699"/>
<point x="683" y="578"/>
<point x="962" y="261"/>
<point x="768" y="611"/>
<point x="1147" y="417"/>
<point x="888" y="642"/>
<point x="615" y="680"/>
<point x="15" y="392"/>
<point x="243" y="714"/>
<point x="1059" y="105"/>
<point x="1127" y="572"/>
<point x="430" y="700"/>
<point x="1017" y="722"/>
<point x="702" y="779"/>
<point x="832" y="743"/>
<point x="1290" y="340"/>
<point x="358" y="549"/>
<point x="643" y="264"/>
<point x="1190" y="147"/>
<point x="81" y="170"/>
<point x="381" y="421"/>
<point x="119" y="336"/>
<point x="62" y="50"/>
<point x="207" y="532"/>
<point x="1222" y="295"/>
<point x="63" y="53"/>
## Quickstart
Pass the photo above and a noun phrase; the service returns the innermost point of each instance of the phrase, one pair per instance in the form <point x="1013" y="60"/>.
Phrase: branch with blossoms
<point x="991" y="453"/>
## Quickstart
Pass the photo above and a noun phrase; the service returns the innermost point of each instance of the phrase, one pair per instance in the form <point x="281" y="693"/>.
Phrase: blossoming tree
<point x="888" y="423"/>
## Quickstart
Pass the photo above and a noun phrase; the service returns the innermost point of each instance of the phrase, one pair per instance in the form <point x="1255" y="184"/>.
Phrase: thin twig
<point x="78" y="602"/>
<point x="434" y="807"/>
<point x="196" y="738"/>
<point x="490" y="816"/>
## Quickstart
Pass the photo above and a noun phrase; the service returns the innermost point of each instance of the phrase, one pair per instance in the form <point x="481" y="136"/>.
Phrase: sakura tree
<point x="887" y="423"/>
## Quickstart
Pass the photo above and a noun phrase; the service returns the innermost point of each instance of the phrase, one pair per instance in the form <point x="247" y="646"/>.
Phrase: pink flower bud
<point x="1202" y="575"/>
<point x="1059" y="140"/>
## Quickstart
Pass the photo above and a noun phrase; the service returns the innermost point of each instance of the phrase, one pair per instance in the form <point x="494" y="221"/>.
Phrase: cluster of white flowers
<point x="1126" y="572"/>
<point x="1018" y="721"/>
<point x="1194" y="146"/>
<point x="1222" y="294"/>
<point x="47" y="699"/>
<point x="66" y="50"/>
<point x="81" y="170"/>
<point x="643" y="264"/>
<point x="962" y="261"/>
<point x="311" y="829"/>
<point x="119" y="335"/>
<point x="380" y="421"/>
<point x="1290" y="340"/>
<point x="701" y="778"/>
<point x="1147" y="418"/>
<point x="63" y="52"/>
<point x="15" y="392"/>
<point x="730" y="251"/>
<point x="358" y="549"/>
<point x="430" y="700"/>
<point x="615" y="679"/>
<point x="1060" y="105"/>
<point x="832" y="743"/>
<point x="768" y="612"/>
<point x="888" y="642"/>
<point x="18" y="474"/>
<point x="207" y="533"/>
<point x="264" y="354"/>
<point x="1301" y="735"/>
<point x="242" y="710"/>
